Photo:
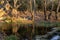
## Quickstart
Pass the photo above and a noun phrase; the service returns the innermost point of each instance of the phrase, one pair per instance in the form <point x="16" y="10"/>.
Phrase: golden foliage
<point x="2" y="2"/>
<point x="14" y="12"/>
<point x="21" y="20"/>
<point x="24" y="20"/>
<point x="2" y="12"/>
<point x="7" y="6"/>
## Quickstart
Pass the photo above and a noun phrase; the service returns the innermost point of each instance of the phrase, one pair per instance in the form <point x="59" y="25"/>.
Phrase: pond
<point x="53" y="35"/>
<point x="56" y="37"/>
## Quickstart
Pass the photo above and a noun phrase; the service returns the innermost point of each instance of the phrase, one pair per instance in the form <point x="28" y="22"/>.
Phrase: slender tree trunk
<point x="30" y="5"/>
<point x="15" y="1"/>
<point x="33" y="11"/>
<point x="45" y="10"/>
<point x="57" y="10"/>
<point x="30" y="37"/>
<point x="51" y="10"/>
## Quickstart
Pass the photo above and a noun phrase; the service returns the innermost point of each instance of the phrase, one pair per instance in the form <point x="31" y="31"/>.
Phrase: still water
<point x="56" y="37"/>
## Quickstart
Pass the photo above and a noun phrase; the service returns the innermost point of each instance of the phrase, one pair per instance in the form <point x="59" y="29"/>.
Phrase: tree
<point x="45" y="10"/>
<point x="34" y="11"/>
<point x="12" y="10"/>
<point x="51" y="9"/>
<point x="57" y="9"/>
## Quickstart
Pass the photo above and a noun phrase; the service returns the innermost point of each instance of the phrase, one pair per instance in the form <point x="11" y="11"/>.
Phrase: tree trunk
<point x="34" y="11"/>
<point x="31" y="8"/>
<point x="30" y="5"/>
<point x="30" y="37"/>
<point x="45" y="10"/>
<point x="57" y="10"/>
<point x="15" y="2"/>
<point x="51" y="10"/>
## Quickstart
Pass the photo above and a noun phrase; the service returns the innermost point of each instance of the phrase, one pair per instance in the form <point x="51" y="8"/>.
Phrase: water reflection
<point x="56" y="37"/>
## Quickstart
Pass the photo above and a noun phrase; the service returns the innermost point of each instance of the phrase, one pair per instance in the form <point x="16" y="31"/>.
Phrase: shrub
<point x="48" y="24"/>
<point x="11" y="37"/>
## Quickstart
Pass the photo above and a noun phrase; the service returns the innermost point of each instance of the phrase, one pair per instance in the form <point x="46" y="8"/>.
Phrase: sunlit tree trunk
<point x="33" y="11"/>
<point x="30" y="5"/>
<point x="45" y="10"/>
<point x="51" y="9"/>
<point x="57" y="10"/>
<point x="31" y="8"/>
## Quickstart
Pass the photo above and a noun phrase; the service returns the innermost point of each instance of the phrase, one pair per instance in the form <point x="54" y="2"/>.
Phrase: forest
<point x="29" y="19"/>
